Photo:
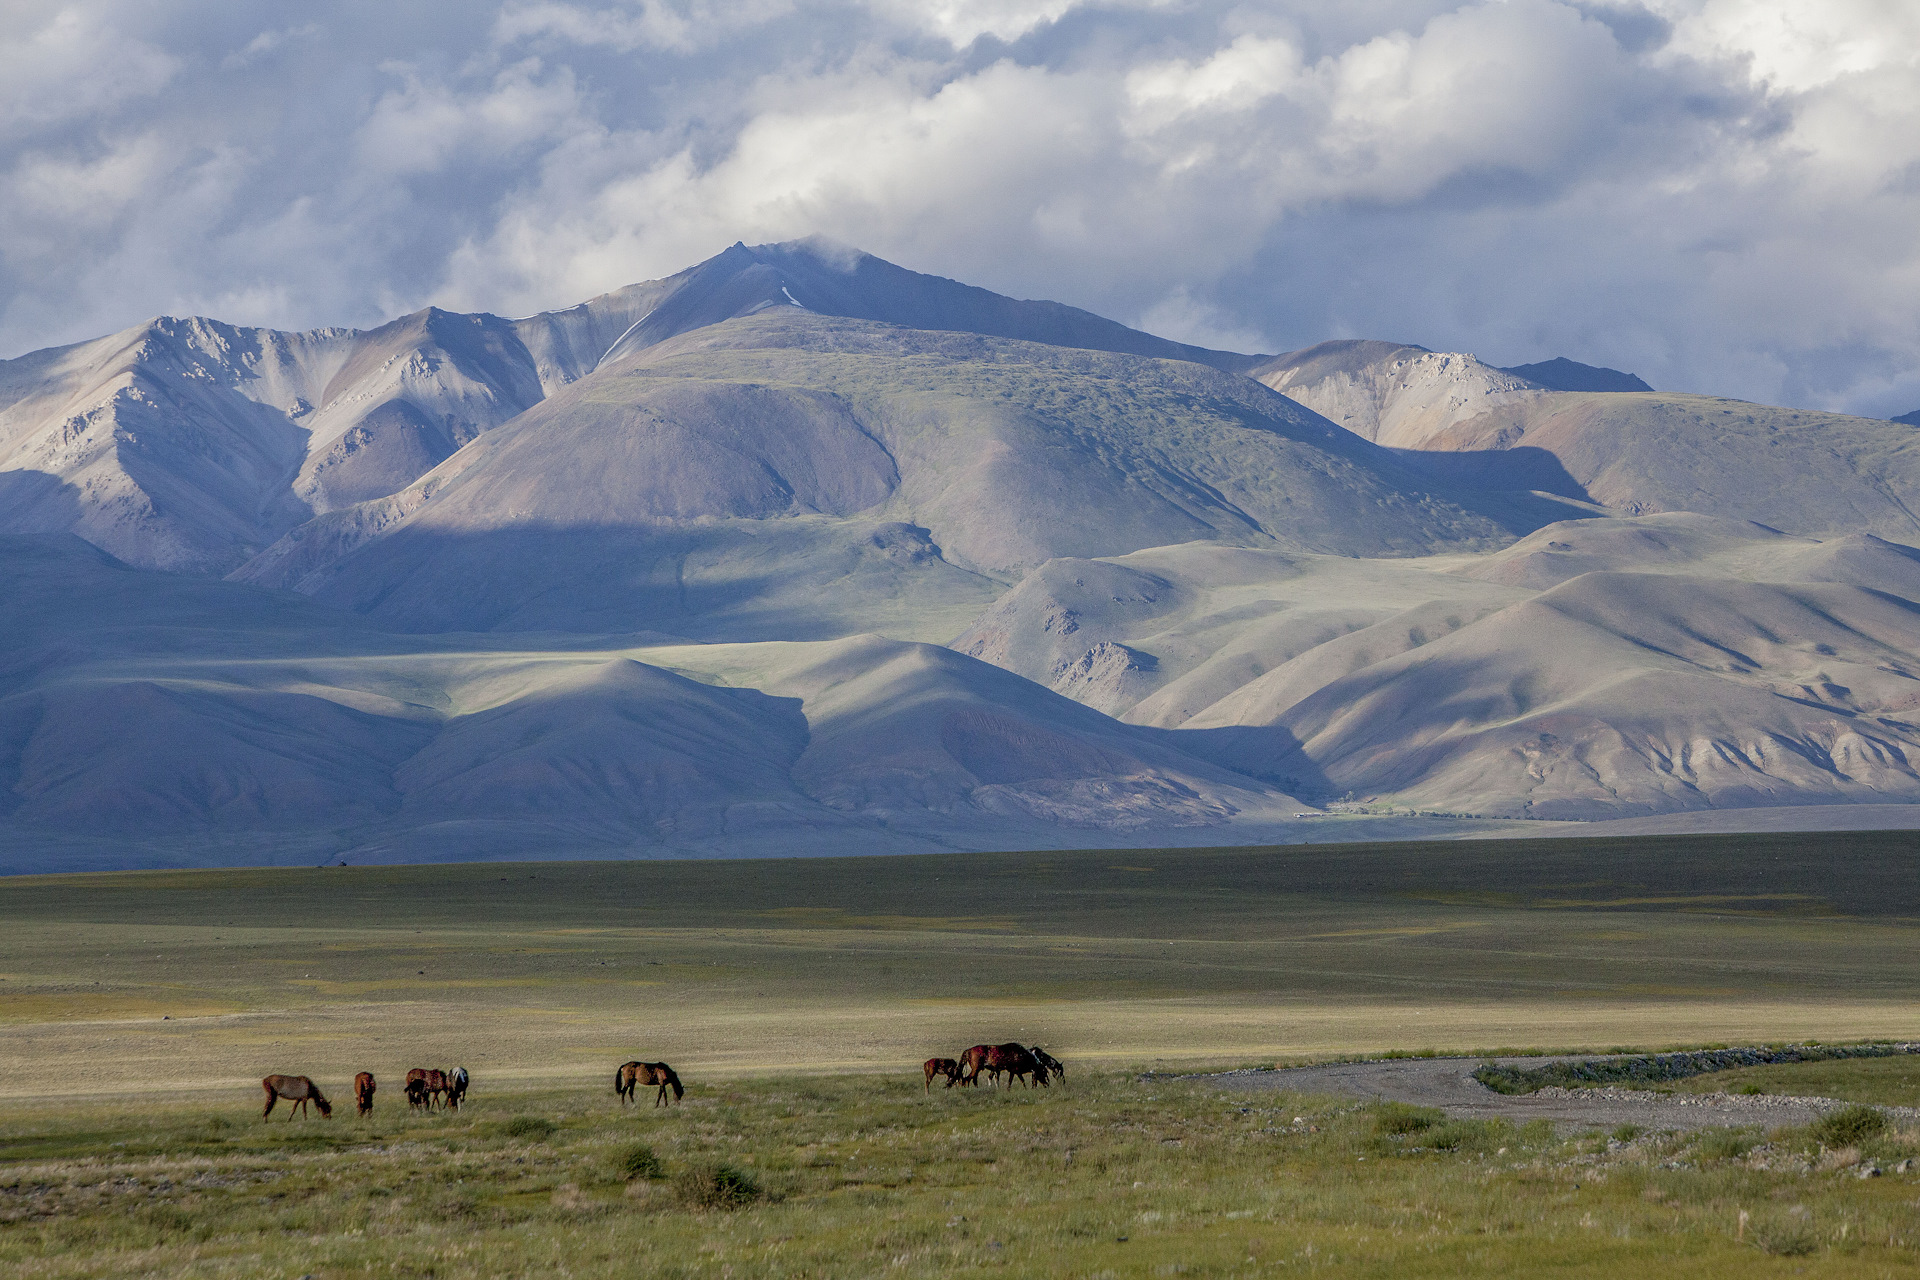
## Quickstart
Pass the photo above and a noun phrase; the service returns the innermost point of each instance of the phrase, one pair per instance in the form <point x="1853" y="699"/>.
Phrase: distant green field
<point x="553" y="972"/>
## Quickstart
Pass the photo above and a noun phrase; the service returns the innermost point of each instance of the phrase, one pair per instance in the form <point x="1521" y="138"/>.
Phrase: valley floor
<point x="798" y="996"/>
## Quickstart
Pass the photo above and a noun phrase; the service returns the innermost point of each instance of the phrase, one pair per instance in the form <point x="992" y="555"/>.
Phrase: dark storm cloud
<point x="1716" y="194"/>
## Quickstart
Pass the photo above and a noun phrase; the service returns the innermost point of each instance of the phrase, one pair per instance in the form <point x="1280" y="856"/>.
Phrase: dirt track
<point x="1448" y="1083"/>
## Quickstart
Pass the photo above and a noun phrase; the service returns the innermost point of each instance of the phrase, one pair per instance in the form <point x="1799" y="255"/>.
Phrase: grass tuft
<point x="1403" y="1117"/>
<point x="530" y="1128"/>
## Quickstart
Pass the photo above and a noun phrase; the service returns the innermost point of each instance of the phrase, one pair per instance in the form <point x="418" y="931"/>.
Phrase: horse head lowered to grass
<point x="297" y="1090"/>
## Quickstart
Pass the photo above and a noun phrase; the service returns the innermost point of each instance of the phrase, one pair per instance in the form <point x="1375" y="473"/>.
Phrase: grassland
<point x="550" y="973"/>
<point x="849" y="1176"/>
<point x="796" y="995"/>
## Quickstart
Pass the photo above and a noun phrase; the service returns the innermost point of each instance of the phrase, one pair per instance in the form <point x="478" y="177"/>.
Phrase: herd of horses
<point x="1018" y="1062"/>
<point x="426" y="1085"/>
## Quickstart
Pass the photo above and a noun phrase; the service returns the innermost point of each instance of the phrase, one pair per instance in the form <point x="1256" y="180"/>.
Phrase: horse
<point x="941" y="1067"/>
<point x="1014" y="1060"/>
<point x="1049" y="1063"/>
<point x="363" y="1087"/>
<point x="971" y="1062"/>
<point x="299" y="1091"/>
<point x="631" y="1075"/>
<point x="456" y="1087"/>
<point x="422" y="1084"/>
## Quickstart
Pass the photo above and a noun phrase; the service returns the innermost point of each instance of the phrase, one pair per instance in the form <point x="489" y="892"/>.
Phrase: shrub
<point x="638" y="1162"/>
<point x="1785" y="1237"/>
<point x="1402" y="1117"/>
<point x="531" y="1128"/>
<point x="1725" y="1144"/>
<point x="1848" y="1126"/>
<point x="1462" y="1135"/>
<point x="1626" y="1133"/>
<point x="716" y="1186"/>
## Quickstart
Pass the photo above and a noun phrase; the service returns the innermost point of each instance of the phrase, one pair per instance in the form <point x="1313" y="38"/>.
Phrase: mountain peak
<point x="1562" y="374"/>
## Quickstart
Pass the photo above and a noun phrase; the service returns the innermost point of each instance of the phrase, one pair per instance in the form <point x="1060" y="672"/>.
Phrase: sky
<point x="1719" y="195"/>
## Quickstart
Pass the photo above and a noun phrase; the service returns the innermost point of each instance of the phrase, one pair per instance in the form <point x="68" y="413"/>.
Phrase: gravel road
<point x="1448" y="1083"/>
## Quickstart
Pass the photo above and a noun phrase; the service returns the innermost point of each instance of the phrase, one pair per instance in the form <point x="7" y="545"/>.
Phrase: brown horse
<point x="941" y="1067"/>
<point x="1013" y="1059"/>
<point x="634" y="1074"/>
<point x="295" y="1089"/>
<point x="363" y="1091"/>
<point x="971" y="1063"/>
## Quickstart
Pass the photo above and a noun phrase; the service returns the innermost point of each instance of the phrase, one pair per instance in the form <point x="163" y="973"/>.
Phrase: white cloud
<point x="1719" y="194"/>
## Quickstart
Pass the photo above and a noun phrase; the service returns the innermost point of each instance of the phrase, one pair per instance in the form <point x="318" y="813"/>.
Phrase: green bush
<point x="1725" y="1144"/>
<point x="1402" y="1117"/>
<point x="638" y="1162"/>
<point x="1465" y="1135"/>
<point x="1626" y="1133"/>
<point x="716" y="1186"/>
<point x="1849" y="1125"/>
<point x="530" y="1128"/>
<point x="1785" y="1237"/>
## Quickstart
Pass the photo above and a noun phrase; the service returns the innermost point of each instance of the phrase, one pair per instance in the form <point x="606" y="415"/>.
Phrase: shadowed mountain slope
<point x="162" y="708"/>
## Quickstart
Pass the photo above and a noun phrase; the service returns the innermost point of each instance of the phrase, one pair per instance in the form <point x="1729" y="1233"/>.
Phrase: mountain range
<point x="800" y="551"/>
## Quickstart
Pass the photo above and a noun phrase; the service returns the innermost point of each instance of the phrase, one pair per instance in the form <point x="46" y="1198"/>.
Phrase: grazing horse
<point x="942" y="1067"/>
<point x="971" y="1063"/>
<point x="1049" y="1065"/>
<point x="363" y="1087"/>
<point x="295" y="1089"/>
<point x="1012" y="1059"/>
<point x="634" y="1074"/>
<point x="422" y="1084"/>
<point x="456" y="1087"/>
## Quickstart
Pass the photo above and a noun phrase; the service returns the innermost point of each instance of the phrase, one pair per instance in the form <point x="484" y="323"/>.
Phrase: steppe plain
<point x="798" y="996"/>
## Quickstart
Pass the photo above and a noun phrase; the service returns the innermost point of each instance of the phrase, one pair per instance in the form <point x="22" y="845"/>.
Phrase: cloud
<point x="1717" y="194"/>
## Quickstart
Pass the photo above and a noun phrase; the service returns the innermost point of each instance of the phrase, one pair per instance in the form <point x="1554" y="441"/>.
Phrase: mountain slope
<point x="1465" y="424"/>
<point x="984" y="455"/>
<point x="194" y="714"/>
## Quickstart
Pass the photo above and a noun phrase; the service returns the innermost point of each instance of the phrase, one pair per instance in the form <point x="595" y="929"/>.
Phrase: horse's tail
<point x="673" y="1082"/>
<point x="620" y="1081"/>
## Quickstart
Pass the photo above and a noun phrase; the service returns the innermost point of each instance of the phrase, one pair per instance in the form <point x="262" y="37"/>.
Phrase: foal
<point x="942" y="1067"/>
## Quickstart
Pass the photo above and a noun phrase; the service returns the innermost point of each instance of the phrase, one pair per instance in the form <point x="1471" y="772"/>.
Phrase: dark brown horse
<point x="1013" y="1059"/>
<point x="634" y="1074"/>
<point x="423" y="1084"/>
<point x="295" y="1089"/>
<point x="1049" y="1064"/>
<point x="363" y="1087"/>
<point x="971" y="1063"/>
<point x="942" y="1067"/>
